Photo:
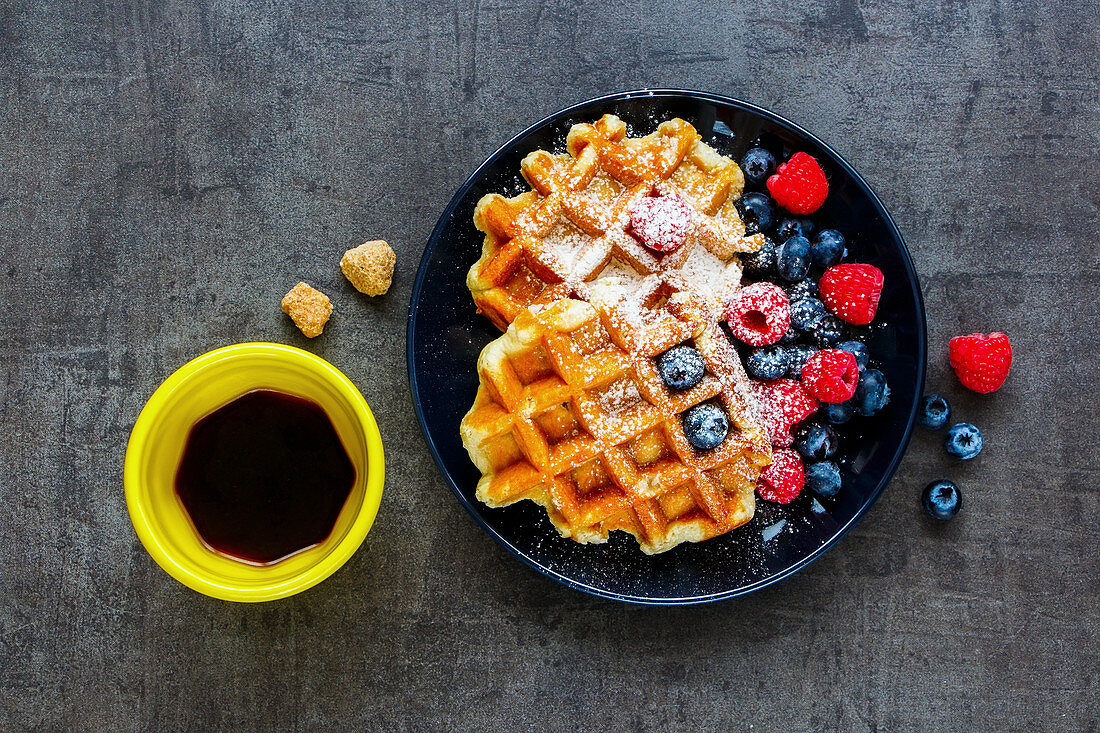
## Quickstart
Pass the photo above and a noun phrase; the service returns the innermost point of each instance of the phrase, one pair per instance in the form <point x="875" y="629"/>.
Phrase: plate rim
<point x="714" y="98"/>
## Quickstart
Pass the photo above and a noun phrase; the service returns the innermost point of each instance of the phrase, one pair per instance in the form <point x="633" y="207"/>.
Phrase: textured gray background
<point x="168" y="171"/>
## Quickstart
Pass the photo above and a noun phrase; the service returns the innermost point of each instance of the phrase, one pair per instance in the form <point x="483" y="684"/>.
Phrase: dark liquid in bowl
<point x="264" y="477"/>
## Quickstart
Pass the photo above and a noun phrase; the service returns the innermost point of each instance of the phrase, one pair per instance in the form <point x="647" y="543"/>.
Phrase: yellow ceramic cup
<point x="156" y="445"/>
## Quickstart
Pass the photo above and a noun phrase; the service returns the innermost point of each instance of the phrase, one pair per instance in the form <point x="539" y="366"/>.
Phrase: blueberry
<point x="793" y="335"/>
<point x="963" y="441"/>
<point x="793" y="258"/>
<point x="761" y="262"/>
<point x="942" y="499"/>
<point x="827" y="331"/>
<point x="789" y="228"/>
<point x="802" y="289"/>
<point x="805" y="312"/>
<point x="706" y="425"/>
<point x="796" y="357"/>
<point x="934" y="411"/>
<point x="757" y="211"/>
<point x="837" y="413"/>
<point x="858" y="350"/>
<point x="767" y="363"/>
<point x="757" y="164"/>
<point x="823" y="478"/>
<point x="827" y="249"/>
<point x="807" y="227"/>
<point x="816" y="442"/>
<point x="681" y="367"/>
<point x="872" y="392"/>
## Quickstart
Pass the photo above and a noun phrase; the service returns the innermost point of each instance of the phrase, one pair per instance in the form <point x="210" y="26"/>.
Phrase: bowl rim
<point x="141" y="437"/>
<point x="713" y="98"/>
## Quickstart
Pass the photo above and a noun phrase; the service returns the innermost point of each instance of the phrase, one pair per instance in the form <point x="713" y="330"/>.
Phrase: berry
<point x="831" y="375"/>
<point x="838" y="413"/>
<point x="767" y="363"/>
<point x="759" y="314"/>
<point x="681" y="367"/>
<point x="852" y="292"/>
<point x="757" y="211"/>
<point x="858" y="350"/>
<point x="792" y="258"/>
<point x="806" y="311"/>
<point x="757" y="164"/>
<point x="781" y="405"/>
<point x="963" y="441"/>
<point x="981" y="362"/>
<point x="942" y="499"/>
<point x="790" y="228"/>
<point x="807" y="227"/>
<point x="799" y="185"/>
<point x="823" y="478"/>
<point x="790" y="337"/>
<point x="706" y="425"/>
<point x="827" y="331"/>
<point x="662" y="223"/>
<point x="934" y="411"/>
<point x="816" y="442"/>
<point x="783" y="479"/>
<point x="796" y="357"/>
<point x="827" y="249"/>
<point x="872" y="392"/>
<point x="804" y="289"/>
<point x="760" y="263"/>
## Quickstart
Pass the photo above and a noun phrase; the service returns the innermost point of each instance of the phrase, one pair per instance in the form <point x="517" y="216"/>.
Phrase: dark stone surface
<point x="167" y="172"/>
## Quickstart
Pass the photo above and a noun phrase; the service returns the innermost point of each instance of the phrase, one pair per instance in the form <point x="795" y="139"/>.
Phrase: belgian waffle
<point x="573" y="227"/>
<point x="572" y="414"/>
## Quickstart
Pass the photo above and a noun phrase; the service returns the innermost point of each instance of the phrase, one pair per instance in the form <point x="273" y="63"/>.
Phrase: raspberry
<point x="981" y="362"/>
<point x="782" y="404"/>
<point x="831" y="375"/>
<point x="782" y="481"/>
<point x="759" y="314"/>
<point x="662" y="223"/>
<point x="852" y="291"/>
<point x="799" y="185"/>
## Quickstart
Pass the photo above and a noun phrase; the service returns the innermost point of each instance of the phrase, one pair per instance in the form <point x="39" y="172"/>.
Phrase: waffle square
<point x="572" y="414"/>
<point x="573" y="226"/>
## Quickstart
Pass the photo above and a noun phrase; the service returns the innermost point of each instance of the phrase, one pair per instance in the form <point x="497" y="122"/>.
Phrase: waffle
<point x="572" y="414"/>
<point x="572" y="228"/>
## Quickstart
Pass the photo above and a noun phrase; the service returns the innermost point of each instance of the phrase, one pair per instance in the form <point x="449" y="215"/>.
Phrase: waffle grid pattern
<point x="573" y="415"/>
<point x="573" y="227"/>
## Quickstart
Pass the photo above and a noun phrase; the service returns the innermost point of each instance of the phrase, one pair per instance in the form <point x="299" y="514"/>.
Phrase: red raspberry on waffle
<point x="662" y="223"/>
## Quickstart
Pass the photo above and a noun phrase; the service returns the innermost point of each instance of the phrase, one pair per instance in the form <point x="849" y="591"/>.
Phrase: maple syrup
<point x="264" y="477"/>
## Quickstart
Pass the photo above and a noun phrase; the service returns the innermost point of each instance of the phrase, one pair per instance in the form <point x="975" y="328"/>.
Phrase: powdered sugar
<point x="564" y="243"/>
<point x="619" y="396"/>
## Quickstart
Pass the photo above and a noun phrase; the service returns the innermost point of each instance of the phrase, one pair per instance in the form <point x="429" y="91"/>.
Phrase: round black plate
<point x="445" y="336"/>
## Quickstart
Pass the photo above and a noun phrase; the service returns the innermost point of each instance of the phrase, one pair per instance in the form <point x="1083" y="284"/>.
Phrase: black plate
<point x="445" y="336"/>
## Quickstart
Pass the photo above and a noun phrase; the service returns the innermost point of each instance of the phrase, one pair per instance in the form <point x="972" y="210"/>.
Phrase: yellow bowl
<point x="156" y="445"/>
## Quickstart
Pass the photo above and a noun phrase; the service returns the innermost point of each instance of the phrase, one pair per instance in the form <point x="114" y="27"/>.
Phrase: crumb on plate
<point x="308" y="307"/>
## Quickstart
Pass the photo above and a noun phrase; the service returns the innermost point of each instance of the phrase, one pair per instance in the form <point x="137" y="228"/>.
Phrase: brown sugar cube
<point x="308" y="307"/>
<point x="369" y="267"/>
